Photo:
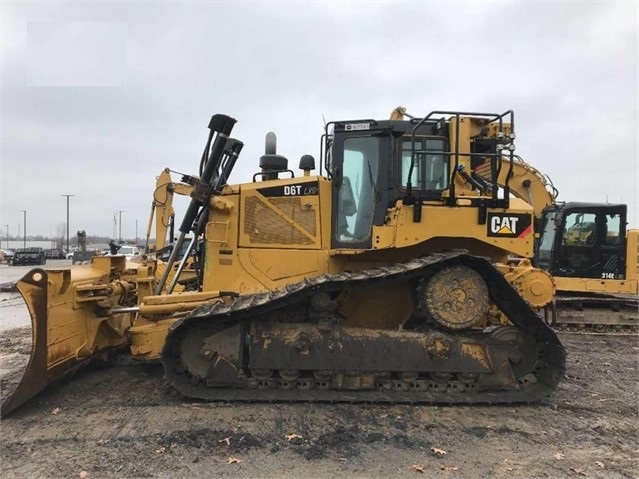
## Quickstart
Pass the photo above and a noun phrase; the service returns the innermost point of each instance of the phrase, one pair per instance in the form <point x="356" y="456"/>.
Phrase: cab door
<point x="358" y="190"/>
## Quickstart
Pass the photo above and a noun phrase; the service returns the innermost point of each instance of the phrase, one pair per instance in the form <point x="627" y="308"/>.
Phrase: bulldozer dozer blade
<point x="35" y="378"/>
<point x="65" y="334"/>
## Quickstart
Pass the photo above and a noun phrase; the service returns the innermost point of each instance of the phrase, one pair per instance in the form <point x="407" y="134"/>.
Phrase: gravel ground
<point x="125" y="421"/>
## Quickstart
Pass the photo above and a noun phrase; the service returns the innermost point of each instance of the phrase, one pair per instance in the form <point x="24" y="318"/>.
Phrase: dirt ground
<point x="125" y="421"/>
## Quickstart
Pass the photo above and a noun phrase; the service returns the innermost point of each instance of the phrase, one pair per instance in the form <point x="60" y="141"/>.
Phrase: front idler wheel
<point x="213" y="356"/>
<point x="524" y="358"/>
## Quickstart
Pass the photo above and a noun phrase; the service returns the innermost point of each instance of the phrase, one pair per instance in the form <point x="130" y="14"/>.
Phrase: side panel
<point x="629" y="285"/>
<point x="270" y="236"/>
<point x="458" y="223"/>
<point x="221" y="242"/>
<point x="276" y="268"/>
<point x="589" y="285"/>
<point x="248" y="271"/>
<point x="632" y="256"/>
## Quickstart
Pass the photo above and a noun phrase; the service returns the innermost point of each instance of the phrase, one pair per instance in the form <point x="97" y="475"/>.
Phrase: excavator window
<point x="580" y="229"/>
<point x="547" y="241"/>
<point x="579" y="237"/>
<point x="430" y="171"/>
<point x="613" y="230"/>
<point x="356" y="199"/>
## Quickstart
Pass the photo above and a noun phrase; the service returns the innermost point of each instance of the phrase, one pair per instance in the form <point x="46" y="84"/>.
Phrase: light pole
<point x="67" y="220"/>
<point x="7" y="226"/>
<point x="120" y="226"/>
<point x="25" y="228"/>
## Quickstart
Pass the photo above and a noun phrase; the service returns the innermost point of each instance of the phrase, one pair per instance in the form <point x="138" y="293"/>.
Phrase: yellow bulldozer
<point x="383" y="278"/>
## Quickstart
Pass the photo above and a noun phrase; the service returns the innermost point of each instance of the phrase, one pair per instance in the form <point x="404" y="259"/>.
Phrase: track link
<point x="547" y="367"/>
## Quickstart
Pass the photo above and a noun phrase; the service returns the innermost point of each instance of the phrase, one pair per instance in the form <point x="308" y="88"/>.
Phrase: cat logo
<point x="509" y="226"/>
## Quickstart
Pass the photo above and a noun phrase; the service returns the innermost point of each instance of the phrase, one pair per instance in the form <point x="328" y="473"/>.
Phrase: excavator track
<point x="596" y="314"/>
<point x="280" y="346"/>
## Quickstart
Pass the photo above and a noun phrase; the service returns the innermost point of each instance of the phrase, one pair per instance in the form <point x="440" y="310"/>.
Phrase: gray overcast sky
<point x="97" y="98"/>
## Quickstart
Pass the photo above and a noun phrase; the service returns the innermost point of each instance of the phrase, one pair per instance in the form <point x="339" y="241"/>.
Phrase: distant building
<point x="16" y="244"/>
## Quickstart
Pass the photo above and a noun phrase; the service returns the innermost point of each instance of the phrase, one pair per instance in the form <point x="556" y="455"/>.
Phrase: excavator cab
<point x="581" y="240"/>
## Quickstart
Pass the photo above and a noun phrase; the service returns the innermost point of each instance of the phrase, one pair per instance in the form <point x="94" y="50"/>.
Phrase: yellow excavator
<point x="181" y="276"/>
<point x="587" y="248"/>
<point x="383" y="278"/>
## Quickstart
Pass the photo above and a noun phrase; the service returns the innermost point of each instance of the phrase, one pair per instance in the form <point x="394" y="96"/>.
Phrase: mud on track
<point x="125" y="421"/>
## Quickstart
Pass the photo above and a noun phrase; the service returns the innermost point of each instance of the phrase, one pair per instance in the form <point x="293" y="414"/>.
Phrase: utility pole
<point x="67" y="220"/>
<point x="7" y="226"/>
<point x="136" y="232"/>
<point x="120" y="226"/>
<point x="25" y="228"/>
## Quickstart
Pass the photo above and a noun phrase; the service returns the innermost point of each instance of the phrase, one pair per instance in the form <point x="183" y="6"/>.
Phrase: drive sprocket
<point x="455" y="296"/>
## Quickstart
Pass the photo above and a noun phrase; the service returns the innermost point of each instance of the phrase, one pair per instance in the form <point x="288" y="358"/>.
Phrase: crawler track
<point x="596" y="313"/>
<point x="538" y="366"/>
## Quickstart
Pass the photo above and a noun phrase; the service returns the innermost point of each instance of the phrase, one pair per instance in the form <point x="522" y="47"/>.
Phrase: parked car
<point x="55" y="253"/>
<point x="6" y="255"/>
<point x="28" y="256"/>
<point x="128" y="251"/>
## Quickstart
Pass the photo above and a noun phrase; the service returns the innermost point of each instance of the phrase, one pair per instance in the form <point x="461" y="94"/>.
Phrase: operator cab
<point x="582" y="240"/>
<point x="373" y="164"/>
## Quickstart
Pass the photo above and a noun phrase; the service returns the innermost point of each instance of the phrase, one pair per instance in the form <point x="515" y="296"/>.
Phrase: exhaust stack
<point x="270" y="162"/>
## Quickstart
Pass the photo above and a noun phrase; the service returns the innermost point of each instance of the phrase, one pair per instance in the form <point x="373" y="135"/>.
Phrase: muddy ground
<point x="125" y="421"/>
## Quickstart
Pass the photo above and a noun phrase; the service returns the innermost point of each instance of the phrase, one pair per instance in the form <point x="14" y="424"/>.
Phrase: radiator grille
<point x="265" y="226"/>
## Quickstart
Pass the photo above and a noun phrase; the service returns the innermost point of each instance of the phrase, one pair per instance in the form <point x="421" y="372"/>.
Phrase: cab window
<point x="613" y="230"/>
<point x="430" y="170"/>
<point x="580" y="229"/>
